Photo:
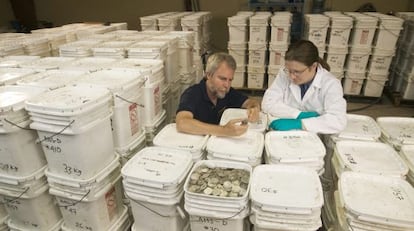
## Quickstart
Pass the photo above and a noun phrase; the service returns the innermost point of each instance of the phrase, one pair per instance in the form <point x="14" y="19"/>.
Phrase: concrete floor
<point x="385" y="107"/>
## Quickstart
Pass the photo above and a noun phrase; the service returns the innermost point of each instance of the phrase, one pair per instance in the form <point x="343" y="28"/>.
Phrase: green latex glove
<point x="307" y="114"/>
<point x="286" y="124"/>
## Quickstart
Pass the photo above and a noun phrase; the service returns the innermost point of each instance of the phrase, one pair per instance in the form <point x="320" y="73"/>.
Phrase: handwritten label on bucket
<point x="133" y="118"/>
<point x="111" y="205"/>
<point x="209" y="224"/>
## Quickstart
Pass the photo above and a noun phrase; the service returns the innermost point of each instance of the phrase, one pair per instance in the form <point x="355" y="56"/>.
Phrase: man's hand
<point x="235" y="127"/>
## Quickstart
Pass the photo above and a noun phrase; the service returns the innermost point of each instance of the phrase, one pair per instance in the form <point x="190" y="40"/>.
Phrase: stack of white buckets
<point x="258" y="42"/>
<point x="237" y="46"/>
<point x="352" y="151"/>
<point x="74" y="128"/>
<point x="23" y="185"/>
<point x="285" y="198"/>
<point x="280" y="24"/>
<point x="337" y="39"/>
<point x="153" y="181"/>
<point x="126" y="87"/>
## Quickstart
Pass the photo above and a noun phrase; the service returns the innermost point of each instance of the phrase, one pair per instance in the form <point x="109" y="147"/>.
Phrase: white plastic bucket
<point x="34" y="209"/>
<point x="295" y="148"/>
<point x="391" y="204"/>
<point x="353" y="83"/>
<point x="238" y="51"/>
<point x="357" y="156"/>
<point x="65" y="140"/>
<point x="257" y="54"/>
<point x="280" y="33"/>
<point x="277" y="54"/>
<point x="316" y="28"/>
<point x="278" y="204"/>
<point x="155" y="188"/>
<point x="20" y="155"/>
<point x="125" y="86"/>
<point x="380" y="61"/>
<point x="256" y="76"/>
<point x="373" y="87"/>
<point x="272" y="72"/>
<point x="335" y="57"/>
<point x="249" y="148"/>
<point x="357" y="59"/>
<point x="238" y="30"/>
<point x="239" y="77"/>
<point x="258" y="33"/>
<point x="340" y="30"/>
<point x="170" y="138"/>
<point x="148" y="50"/>
<point x="205" y="210"/>
<point x="396" y="131"/>
<point x="387" y="36"/>
<point x="95" y="211"/>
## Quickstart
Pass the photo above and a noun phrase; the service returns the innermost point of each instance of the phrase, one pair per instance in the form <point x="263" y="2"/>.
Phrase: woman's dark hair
<point x="304" y="51"/>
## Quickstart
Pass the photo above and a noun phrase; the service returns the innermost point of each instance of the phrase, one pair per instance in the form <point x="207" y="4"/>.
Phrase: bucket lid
<point x="358" y="157"/>
<point x="16" y="60"/>
<point x="171" y="138"/>
<point x="243" y="148"/>
<point x="378" y="199"/>
<point x="70" y="100"/>
<point x="397" y="130"/>
<point x="272" y="189"/>
<point x="360" y="127"/>
<point x="51" y="79"/>
<point x="157" y="167"/>
<point x="116" y="80"/>
<point x="13" y="97"/>
<point x="294" y="145"/>
<point x="10" y="76"/>
<point x="48" y="63"/>
<point x="238" y="113"/>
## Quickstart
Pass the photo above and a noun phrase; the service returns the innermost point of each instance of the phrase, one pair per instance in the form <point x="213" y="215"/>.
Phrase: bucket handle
<point x="57" y="133"/>
<point x="155" y="212"/>
<point x="76" y="202"/>
<point x="16" y="198"/>
<point x="30" y="129"/>
<point x="128" y="101"/>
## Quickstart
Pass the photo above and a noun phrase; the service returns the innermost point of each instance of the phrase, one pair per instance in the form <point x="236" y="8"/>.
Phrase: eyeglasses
<point x="295" y="73"/>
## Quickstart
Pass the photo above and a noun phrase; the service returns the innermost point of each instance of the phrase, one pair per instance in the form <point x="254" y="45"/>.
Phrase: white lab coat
<point x="325" y="96"/>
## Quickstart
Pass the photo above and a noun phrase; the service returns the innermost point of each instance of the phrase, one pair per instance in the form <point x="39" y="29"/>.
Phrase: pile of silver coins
<point x="221" y="182"/>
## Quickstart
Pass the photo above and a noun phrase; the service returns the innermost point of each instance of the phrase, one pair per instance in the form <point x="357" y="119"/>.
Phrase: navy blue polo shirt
<point x="195" y="100"/>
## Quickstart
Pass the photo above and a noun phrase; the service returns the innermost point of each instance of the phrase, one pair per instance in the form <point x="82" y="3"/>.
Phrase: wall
<point x="64" y="12"/>
<point x="380" y="5"/>
<point x="6" y="15"/>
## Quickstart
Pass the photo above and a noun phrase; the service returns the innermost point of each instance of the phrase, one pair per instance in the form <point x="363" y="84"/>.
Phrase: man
<point x="202" y="104"/>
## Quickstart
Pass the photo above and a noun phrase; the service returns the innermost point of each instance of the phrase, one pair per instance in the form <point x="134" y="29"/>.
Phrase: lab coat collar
<point x="314" y="87"/>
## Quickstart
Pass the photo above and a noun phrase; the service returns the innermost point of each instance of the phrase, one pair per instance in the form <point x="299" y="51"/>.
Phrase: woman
<point x="305" y="95"/>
